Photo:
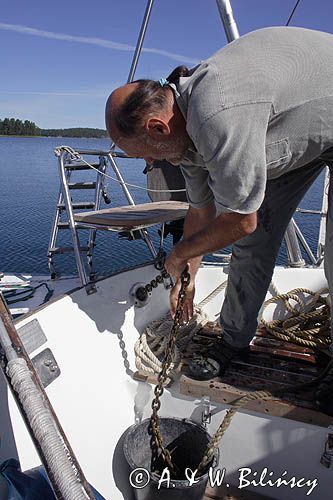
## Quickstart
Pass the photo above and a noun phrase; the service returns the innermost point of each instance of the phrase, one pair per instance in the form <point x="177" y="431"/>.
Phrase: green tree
<point x="5" y="126"/>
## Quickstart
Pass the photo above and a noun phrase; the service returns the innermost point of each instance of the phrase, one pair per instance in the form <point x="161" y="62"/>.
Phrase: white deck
<point x="96" y="398"/>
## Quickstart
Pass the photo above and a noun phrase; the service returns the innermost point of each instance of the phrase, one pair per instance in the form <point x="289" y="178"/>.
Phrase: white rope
<point x="214" y="293"/>
<point x="45" y="431"/>
<point x="152" y="342"/>
<point x="77" y="156"/>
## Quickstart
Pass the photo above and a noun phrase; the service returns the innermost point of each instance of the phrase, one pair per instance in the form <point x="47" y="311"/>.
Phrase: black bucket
<point x="186" y="440"/>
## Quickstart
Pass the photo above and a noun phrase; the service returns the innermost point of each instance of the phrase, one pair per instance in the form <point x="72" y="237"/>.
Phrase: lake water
<point x="29" y="190"/>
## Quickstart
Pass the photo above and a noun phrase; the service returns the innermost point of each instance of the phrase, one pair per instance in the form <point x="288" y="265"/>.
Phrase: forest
<point x="14" y="126"/>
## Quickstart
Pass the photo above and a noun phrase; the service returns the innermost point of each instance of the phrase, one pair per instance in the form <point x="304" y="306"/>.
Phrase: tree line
<point x="13" y="126"/>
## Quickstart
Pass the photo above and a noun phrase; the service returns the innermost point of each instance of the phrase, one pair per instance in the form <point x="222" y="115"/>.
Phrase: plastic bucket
<point x="187" y="442"/>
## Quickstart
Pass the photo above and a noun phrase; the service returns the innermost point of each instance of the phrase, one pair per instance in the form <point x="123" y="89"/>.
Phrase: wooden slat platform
<point x="266" y="367"/>
<point x="132" y="217"/>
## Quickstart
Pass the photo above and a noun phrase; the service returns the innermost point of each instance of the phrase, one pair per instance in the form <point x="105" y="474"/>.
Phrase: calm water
<point x="29" y="189"/>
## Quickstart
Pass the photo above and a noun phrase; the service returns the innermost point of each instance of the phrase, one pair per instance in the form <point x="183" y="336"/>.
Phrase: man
<point x="252" y="127"/>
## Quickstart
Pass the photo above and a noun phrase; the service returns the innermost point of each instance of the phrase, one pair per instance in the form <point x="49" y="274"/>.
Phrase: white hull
<point x="96" y="399"/>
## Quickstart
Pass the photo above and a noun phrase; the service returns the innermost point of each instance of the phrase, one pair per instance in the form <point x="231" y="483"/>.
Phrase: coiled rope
<point x="308" y="325"/>
<point x="152" y="343"/>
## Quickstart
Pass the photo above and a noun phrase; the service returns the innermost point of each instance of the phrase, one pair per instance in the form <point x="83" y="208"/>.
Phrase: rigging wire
<point x="293" y="12"/>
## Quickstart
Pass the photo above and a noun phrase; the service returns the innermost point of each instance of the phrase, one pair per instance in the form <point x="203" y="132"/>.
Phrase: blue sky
<point x="60" y="60"/>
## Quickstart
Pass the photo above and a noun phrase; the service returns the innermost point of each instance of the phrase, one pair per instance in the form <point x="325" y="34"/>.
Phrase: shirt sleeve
<point x="199" y="194"/>
<point x="232" y="144"/>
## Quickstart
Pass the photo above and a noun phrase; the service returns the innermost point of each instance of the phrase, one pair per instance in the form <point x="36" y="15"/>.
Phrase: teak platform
<point x="131" y="217"/>
<point x="270" y="365"/>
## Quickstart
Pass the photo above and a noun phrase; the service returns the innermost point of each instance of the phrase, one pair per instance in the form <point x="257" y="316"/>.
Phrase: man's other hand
<point x="188" y="304"/>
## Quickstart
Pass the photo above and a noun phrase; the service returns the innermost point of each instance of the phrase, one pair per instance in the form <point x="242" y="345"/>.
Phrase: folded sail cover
<point x="165" y="182"/>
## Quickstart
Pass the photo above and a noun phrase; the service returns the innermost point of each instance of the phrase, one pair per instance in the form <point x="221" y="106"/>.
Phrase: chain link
<point x="157" y="443"/>
<point x="158" y="280"/>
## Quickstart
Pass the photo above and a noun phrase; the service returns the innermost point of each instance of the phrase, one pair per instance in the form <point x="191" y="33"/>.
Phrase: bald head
<point x="144" y="120"/>
<point x="114" y="105"/>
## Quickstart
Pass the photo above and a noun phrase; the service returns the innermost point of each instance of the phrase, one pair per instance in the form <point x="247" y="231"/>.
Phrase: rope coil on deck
<point x="307" y="326"/>
<point x="153" y="341"/>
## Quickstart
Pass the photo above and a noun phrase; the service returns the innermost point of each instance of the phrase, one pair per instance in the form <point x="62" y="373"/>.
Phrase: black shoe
<point x="215" y="362"/>
<point x="323" y="396"/>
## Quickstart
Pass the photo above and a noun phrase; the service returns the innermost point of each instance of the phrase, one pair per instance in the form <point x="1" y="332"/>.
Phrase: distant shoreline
<point x="14" y="127"/>
<point x="52" y="136"/>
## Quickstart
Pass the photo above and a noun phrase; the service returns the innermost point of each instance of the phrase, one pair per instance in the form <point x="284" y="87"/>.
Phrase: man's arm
<point x="214" y="235"/>
<point x="196" y="220"/>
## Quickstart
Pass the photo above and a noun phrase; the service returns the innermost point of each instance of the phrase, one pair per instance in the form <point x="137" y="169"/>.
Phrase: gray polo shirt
<point x="260" y="107"/>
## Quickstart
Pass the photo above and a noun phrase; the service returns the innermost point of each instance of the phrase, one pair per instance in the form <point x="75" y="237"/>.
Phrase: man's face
<point x="144" y="146"/>
<point x="161" y="136"/>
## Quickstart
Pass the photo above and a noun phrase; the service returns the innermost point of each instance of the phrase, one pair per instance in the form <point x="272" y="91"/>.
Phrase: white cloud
<point x="109" y="44"/>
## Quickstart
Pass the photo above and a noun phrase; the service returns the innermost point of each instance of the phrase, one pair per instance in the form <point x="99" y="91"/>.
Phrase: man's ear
<point x="157" y="127"/>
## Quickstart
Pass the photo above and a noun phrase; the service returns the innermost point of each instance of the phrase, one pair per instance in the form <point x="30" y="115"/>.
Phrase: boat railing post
<point x="322" y="226"/>
<point x="100" y="183"/>
<point x="293" y="249"/>
<point x="90" y="287"/>
<point x="53" y="236"/>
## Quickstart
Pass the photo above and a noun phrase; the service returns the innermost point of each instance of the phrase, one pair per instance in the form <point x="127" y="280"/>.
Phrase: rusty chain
<point x="162" y="376"/>
<point x="157" y="281"/>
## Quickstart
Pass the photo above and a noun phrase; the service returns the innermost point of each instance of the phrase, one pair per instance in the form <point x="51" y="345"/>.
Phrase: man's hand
<point x="175" y="265"/>
<point x="188" y="304"/>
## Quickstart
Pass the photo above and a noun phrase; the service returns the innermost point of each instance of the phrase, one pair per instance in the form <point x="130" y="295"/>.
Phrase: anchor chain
<point x="162" y="376"/>
<point x="157" y="281"/>
<point x="142" y="292"/>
